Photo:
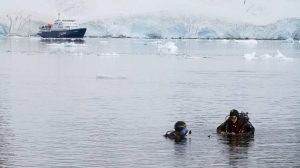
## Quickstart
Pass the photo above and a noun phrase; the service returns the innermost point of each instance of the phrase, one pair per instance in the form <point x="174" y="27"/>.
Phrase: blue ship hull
<point x="73" y="33"/>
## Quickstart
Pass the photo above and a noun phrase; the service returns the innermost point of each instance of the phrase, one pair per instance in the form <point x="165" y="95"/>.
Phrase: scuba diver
<point x="180" y="132"/>
<point x="236" y="124"/>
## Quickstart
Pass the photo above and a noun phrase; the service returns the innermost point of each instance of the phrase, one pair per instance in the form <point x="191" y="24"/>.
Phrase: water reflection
<point x="238" y="147"/>
<point x="181" y="152"/>
<point x="183" y="141"/>
<point x="61" y="41"/>
<point x="48" y="114"/>
<point x="5" y="135"/>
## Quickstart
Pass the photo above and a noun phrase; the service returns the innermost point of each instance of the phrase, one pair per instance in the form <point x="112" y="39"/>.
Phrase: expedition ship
<point x="62" y="29"/>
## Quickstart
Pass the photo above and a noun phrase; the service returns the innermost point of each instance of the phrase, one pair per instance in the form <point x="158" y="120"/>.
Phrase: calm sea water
<point x="107" y="102"/>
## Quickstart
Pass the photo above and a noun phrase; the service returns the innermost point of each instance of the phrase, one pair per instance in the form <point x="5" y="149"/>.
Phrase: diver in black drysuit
<point x="180" y="132"/>
<point x="236" y="124"/>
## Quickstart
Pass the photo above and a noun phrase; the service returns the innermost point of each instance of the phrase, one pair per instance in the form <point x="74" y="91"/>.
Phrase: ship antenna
<point x="58" y="15"/>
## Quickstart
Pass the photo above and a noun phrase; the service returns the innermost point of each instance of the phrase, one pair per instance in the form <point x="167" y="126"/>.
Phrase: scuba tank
<point x="249" y="127"/>
<point x="244" y="116"/>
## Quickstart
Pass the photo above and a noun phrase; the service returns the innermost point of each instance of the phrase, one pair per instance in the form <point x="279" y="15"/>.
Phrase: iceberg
<point x="19" y="24"/>
<point x="250" y="56"/>
<point x="2" y="30"/>
<point x="168" y="48"/>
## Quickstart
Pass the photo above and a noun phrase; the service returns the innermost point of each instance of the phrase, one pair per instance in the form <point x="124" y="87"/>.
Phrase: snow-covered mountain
<point x="161" y="25"/>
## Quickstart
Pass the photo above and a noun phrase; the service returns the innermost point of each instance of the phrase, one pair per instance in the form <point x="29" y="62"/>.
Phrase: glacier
<point x="161" y="26"/>
<point x="165" y="26"/>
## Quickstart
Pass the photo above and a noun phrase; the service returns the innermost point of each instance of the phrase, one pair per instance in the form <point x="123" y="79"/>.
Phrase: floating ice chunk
<point x="34" y="38"/>
<point x="168" y="48"/>
<point x="265" y="57"/>
<point x="250" y="56"/>
<point x="66" y="45"/>
<point x="247" y="42"/>
<point x="103" y="42"/>
<point x="55" y="45"/>
<point x="289" y="40"/>
<point x="108" y="54"/>
<point x="74" y="45"/>
<point x="280" y="56"/>
<point x="69" y="44"/>
<point x="15" y="37"/>
<point x="110" y="77"/>
<point x="224" y="41"/>
<point x="156" y="42"/>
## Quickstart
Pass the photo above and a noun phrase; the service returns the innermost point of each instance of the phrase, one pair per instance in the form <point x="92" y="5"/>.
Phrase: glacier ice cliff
<point x="165" y="26"/>
<point x="157" y="26"/>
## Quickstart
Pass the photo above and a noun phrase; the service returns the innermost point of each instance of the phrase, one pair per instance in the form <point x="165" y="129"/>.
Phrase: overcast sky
<point x="252" y="11"/>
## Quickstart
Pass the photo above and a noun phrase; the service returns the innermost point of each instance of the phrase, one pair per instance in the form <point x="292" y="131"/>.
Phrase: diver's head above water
<point x="180" y="128"/>
<point x="234" y="115"/>
<point x="179" y="125"/>
<point x="180" y="131"/>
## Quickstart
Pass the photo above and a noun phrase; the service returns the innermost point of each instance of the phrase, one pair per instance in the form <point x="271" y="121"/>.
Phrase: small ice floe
<point x="289" y="40"/>
<point x="168" y="48"/>
<point x="55" y="45"/>
<point x="155" y="42"/>
<point x="69" y="45"/>
<point x="74" y="45"/>
<point x="110" y="77"/>
<point x="103" y="42"/>
<point x="247" y="42"/>
<point x="108" y="54"/>
<point x="34" y="38"/>
<point x="279" y="57"/>
<point x="265" y="57"/>
<point x="250" y="56"/>
<point x="15" y="36"/>
<point x="224" y="41"/>
<point x="66" y="45"/>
